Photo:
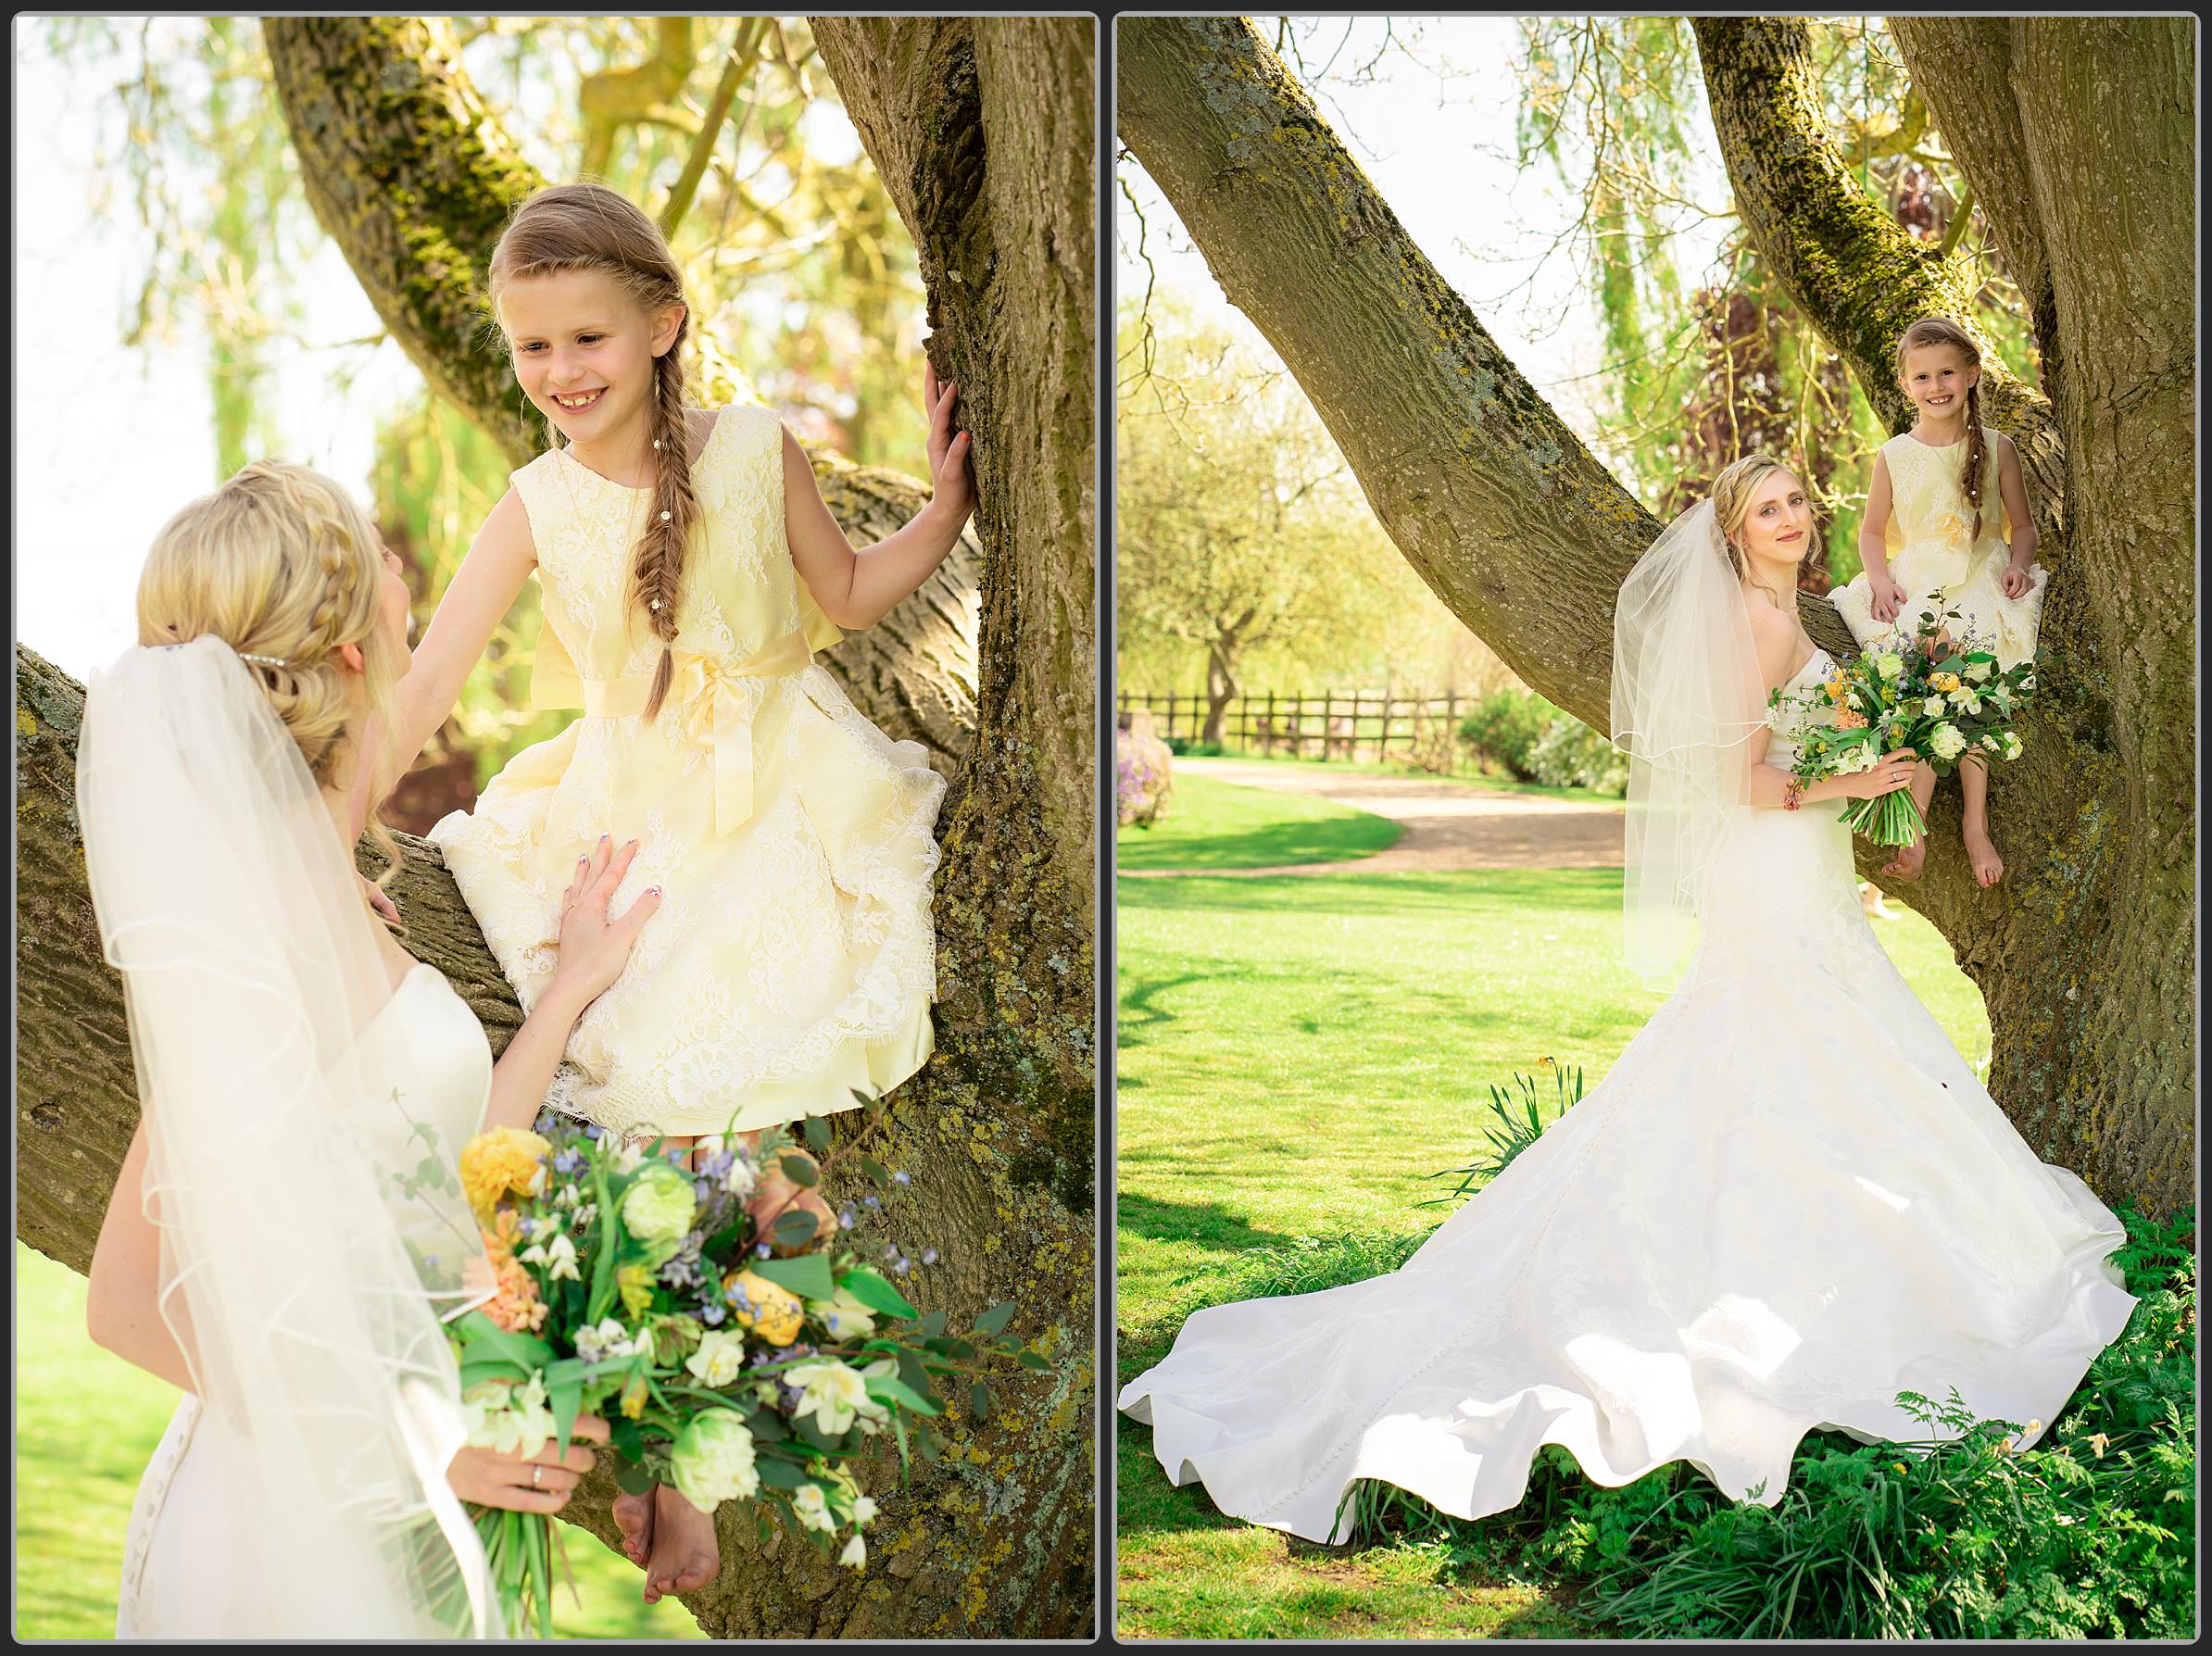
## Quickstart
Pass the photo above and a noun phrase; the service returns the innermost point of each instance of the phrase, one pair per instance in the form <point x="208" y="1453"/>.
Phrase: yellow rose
<point x="493" y="1163"/>
<point x="772" y="1312"/>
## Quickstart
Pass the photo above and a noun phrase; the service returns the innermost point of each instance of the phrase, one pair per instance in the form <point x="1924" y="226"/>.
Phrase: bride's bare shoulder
<point x="1774" y="636"/>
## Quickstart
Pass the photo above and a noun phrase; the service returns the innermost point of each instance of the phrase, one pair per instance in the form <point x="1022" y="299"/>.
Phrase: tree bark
<point x="1526" y="537"/>
<point x="410" y="175"/>
<point x="969" y="119"/>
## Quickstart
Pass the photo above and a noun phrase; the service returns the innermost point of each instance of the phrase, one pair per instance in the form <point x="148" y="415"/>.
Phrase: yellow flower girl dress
<point x="1935" y="556"/>
<point x="792" y="958"/>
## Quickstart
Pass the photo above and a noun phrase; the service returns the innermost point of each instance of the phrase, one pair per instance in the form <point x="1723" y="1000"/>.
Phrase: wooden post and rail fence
<point x="1342" y="724"/>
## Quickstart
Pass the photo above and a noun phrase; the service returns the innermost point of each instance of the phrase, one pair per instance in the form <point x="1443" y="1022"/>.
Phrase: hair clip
<point x="263" y="660"/>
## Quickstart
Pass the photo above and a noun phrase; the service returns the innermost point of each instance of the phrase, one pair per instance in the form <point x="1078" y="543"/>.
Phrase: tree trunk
<point x="1526" y="537"/>
<point x="1221" y="684"/>
<point x="969" y="122"/>
<point x="414" y="181"/>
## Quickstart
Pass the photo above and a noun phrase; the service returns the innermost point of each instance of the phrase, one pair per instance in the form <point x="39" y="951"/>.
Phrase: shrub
<point x="1504" y="728"/>
<point x="1179" y="746"/>
<point x="1571" y="755"/>
<point x="1143" y="777"/>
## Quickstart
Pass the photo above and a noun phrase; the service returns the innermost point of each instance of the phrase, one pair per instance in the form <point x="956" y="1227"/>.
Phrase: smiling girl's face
<point x="1937" y="377"/>
<point x="584" y="352"/>
<point x="1777" y="525"/>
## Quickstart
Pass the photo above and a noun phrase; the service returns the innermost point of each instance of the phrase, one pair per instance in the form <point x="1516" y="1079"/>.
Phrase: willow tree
<point x="980" y="130"/>
<point x="2077" y="138"/>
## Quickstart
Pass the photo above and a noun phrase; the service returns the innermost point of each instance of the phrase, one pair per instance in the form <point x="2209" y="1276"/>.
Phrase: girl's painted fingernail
<point x="652" y="891"/>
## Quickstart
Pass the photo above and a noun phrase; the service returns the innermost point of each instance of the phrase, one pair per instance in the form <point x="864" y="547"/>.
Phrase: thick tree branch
<point x="1490" y="497"/>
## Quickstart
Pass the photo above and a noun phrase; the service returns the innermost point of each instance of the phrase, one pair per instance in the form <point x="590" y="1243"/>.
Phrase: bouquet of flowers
<point x="736" y="1357"/>
<point x="1922" y="690"/>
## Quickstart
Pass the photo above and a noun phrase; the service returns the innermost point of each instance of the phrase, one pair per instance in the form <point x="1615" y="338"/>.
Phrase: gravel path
<point x="1447" y="825"/>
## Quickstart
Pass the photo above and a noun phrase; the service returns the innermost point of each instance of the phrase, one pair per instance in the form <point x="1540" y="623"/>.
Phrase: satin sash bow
<point x="712" y="710"/>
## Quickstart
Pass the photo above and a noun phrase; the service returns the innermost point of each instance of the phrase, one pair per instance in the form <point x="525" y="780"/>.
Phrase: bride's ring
<point x="537" y="1477"/>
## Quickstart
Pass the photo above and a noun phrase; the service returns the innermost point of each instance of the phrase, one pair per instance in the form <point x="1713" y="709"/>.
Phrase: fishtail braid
<point x="657" y="573"/>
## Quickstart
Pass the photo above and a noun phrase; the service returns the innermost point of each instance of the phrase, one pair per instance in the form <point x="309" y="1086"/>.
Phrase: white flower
<point x="2012" y="746"/>
<point x="1978" y="670"/>
<point x="713" y="1461"/>
<point x="605" y="1340"/>
<point x="559" y="1257"/>
<point x="508" y="1418"/>
<point x="1888" y="663"/>
<point x="855" y="1554"/>
<point x="863" y="1511"/>
<point x="565" y="1196"/>
<point x="833" y="1393"/>
<point x="718" y="1360"/>
<point x="845" y="1317"/>
<point x="1961" y="697"/>
<point x="1946" y="742"/>
<point x="1851" y="760"/>
<point x="1934" y="707"/>
<point x="627" y="1158"/>
<point x="812" y="1507"/>
<point x="1988" y="741"/>
<point x="744" y="1176"/>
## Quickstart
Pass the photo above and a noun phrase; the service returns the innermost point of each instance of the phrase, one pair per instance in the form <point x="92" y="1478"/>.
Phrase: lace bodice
<point x="1929" y="509"/>
<point x="739" y="594"/>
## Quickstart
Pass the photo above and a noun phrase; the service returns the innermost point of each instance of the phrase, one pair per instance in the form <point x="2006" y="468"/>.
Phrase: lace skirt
<point x="792" y="960"/>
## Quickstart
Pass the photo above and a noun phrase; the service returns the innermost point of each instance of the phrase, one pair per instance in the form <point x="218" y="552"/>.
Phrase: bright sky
<point x="1434" y="131"/>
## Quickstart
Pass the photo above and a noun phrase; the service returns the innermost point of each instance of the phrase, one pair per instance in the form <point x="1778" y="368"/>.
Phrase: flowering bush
<point x="738" y="1357"/>
<point x="1143" y="775"/>
<point x="1571" y="755"/>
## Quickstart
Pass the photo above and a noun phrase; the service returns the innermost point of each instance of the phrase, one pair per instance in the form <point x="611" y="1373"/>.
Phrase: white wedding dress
<point x="1788" y="1201"/>
<point x="190" y="1567"/>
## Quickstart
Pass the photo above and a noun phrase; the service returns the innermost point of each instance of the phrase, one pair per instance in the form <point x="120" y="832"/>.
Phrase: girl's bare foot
<point x="1988" y="868"/>
<point x="776" y="1195"/>
<point x="633" y="1517"/>
<point x="686" y="1553"/>
<point x="1905" y="865"/>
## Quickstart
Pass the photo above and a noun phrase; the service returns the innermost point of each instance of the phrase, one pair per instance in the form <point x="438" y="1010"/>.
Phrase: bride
<point x="1789" y="1201"/>
<point x="288" y="1234"/>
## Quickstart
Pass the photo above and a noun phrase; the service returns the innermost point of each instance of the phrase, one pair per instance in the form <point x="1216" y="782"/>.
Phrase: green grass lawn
<point x="1211" y="824"/>
<point x="86" y="1423"/>
<point x="1295" y="1054"/>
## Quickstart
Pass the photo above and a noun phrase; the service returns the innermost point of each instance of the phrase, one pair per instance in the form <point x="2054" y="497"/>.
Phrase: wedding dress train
<point x="1788" y="1201"/>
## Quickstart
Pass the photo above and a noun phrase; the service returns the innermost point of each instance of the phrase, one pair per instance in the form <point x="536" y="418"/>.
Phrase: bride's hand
<point x="595" y="945"/>
<point x="538" y="1483"/>
<point x="1891" y="772"/>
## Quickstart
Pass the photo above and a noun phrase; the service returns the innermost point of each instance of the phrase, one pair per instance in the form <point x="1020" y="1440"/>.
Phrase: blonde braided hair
<point x="589" y="227"/>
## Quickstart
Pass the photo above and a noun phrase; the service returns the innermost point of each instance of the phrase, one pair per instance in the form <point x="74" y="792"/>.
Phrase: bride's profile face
<point x="1778" y="524"/>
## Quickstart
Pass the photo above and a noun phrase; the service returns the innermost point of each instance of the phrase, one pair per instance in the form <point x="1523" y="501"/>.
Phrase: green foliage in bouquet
<point x="737" y="1351"/>
<point x="1923" y="690"/>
